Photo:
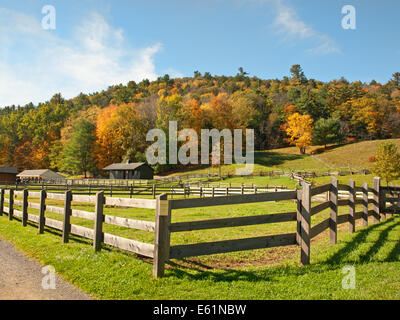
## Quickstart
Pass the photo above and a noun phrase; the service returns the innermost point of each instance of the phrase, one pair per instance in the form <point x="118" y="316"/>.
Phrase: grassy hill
<point x="354" y="155"/>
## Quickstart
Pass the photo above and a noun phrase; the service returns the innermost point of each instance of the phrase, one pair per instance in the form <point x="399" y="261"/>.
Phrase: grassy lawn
<point x="279" y="159"/>
<point x="259" y="274"/>
<point x="354" y="155"/>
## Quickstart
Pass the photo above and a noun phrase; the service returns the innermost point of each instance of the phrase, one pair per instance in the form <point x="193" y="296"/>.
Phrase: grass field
<point x="354" y="155"/>
<point x="258" y="274"/>
<point x="112" y="274"/>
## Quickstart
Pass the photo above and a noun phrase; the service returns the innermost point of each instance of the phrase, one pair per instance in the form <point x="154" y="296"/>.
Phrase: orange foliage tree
<point x="108" y="148"/>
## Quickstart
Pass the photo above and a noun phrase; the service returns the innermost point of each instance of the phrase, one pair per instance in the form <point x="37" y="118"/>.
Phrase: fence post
<point x="382" y="203"/>
<point x="333" y="195"/>
<point x="154" y="191"/>
<point x="376" y="206"/>
<point x="11" y="205"/>
<point x="98" y="221"/>
<point x="298" y="231"/>
<point x="67" y="216"/>
<point x="1" y="202"/>
<point x="42" y="210"/>
<point x="352" y="206"/>
<point x="25" y="208"/>
<point x="162" y="235"/>
<point x="365" y="204"/>
<point x="305" y="223"/>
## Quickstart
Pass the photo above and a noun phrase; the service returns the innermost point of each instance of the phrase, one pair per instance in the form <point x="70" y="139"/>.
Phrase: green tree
<point x="78" y="152"/>
<point x="298" y="74"/>
<point x="396" y="78"/>
<point x="387" y="164"/>
<point x="326" y="131"/>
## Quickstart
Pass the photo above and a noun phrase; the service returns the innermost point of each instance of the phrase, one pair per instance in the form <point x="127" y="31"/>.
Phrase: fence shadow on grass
<point x="197" y="271"/>
<point x="383" y="230"/>
<point x="216" y="275"/>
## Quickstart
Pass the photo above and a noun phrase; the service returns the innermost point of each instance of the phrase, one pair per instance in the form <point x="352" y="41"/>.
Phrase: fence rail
<point x="96" y="234"/>
<point x="383" y="200"/>
<point x="130" y="191"/>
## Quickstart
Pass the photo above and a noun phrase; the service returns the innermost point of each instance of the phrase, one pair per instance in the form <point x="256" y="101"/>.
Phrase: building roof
<point x="32" y="173"/>
<point x="125" y="166"/>
<point x="10" y="170"/>
<point x="42" y="173"/>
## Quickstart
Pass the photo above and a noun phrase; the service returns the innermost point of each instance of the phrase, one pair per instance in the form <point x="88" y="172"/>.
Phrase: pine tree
<point x="78" y="152"/>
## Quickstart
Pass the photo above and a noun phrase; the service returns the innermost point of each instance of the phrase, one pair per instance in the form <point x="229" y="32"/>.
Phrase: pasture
<point x="272" y="273"/>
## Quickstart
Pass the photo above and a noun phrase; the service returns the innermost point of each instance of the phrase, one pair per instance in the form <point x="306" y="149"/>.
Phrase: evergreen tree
<point x="78" y="152"/>
<point x="326" y="131"/>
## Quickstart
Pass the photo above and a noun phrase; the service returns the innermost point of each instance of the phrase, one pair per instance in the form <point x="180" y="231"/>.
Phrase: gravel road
<point x="22" y="279"/>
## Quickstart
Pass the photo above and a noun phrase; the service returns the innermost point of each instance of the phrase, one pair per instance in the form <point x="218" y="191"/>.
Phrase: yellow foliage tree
<point x="108" y="147"/>
<point x="299" y="128"/>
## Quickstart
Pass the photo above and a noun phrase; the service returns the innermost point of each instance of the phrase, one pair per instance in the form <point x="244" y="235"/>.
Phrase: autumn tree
<point x="387" y="163"/>
<point x="299" y="129"/>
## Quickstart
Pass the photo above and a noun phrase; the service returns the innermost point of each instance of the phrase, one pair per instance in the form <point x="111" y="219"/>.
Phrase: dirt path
<point x="21" y="279"/>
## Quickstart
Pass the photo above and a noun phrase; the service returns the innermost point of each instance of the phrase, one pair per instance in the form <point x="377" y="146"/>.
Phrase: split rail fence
<point x="162" y="250"/>
<point x="209" y="190"/>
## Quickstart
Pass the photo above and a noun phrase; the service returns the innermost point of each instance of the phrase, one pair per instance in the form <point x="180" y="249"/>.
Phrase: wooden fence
<point x="96" y="234"/>
<point x="207" y="190"/>
<point x="301" y="236"/>
<point x="162" y="251"/>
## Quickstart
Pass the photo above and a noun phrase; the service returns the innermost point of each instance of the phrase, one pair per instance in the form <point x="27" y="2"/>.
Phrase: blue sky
<point x="100" y="43"/>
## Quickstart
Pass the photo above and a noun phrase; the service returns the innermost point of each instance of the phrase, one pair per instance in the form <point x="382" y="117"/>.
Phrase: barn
<point x="40" y="175"/>
<point x="8" y="174"/>
<point x="130" y="170"/>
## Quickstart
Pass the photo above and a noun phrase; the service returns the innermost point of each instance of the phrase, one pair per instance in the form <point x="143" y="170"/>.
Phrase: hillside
<point x="89" y="132"/>
<point x="355" y="155"/>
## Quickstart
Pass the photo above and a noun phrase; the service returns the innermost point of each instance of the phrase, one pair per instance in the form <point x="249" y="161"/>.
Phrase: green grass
<point x="354" y="155"/>
<point x="257" y="274"/>
<point x="279" y="159"/>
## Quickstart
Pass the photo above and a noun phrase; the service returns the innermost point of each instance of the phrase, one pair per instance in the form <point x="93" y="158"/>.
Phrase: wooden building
<point x="129" y="170"/>
<point x="40" y="175"/>
<point x="8" y="174"/>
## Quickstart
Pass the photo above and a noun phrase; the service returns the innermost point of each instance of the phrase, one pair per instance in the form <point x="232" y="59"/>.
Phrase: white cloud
<point x="35" y="64"/>
<point x="288" y="23"/>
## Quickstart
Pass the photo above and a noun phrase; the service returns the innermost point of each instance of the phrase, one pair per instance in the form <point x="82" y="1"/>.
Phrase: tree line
<point x="84" y="134"/>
